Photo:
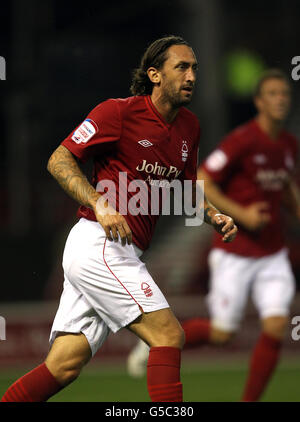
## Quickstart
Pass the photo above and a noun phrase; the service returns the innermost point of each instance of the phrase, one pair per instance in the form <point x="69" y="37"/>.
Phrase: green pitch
<point x="202" y="383"/>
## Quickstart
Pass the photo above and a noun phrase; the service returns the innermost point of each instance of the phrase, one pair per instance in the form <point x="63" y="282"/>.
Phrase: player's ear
<point x="154" y="75"/>
<point x="257" y="102"/>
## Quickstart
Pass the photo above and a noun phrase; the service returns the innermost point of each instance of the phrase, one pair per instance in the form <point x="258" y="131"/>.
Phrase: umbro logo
<point x="145" y="143"/>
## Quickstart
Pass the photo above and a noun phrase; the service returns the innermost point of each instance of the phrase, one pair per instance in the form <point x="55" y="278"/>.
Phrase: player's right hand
<point x="256" y="216"/>
<point x="113" y="223"/>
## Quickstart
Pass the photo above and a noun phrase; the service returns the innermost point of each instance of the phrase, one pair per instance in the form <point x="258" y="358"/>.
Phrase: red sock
<point x="36" y="386"/>
<point x="263" y="362"/>
<point x="197" y="331"/>
<point x="163" y="374"/>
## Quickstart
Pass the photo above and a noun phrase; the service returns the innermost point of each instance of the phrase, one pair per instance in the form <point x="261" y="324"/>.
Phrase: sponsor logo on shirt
<point x="146" y="289"/>
<point x="216" y="160"/>
<point x="272" y="180"/>
<point x="156" y="169"/>
<point x="84" y="132"/>
<point x="145" y="143"/>
<point x="259" y="159"/>
<point x="184" y="151"/>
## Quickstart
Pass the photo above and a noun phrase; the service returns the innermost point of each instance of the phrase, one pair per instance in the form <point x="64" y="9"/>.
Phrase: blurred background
<point x="62" y="59"/>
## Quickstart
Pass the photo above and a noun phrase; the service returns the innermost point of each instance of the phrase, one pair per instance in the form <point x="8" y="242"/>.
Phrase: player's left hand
<point x="224" y="225"/>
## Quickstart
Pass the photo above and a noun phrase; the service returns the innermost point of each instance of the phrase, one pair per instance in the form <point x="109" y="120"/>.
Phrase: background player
<point x="106" y="286"/>
<point x="249" y="176"/>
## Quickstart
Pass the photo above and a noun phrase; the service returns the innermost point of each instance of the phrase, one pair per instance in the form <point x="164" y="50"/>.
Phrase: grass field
<point x="202" y="383"/>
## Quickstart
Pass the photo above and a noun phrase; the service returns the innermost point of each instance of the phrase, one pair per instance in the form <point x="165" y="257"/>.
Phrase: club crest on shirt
<point x="184" y="151"/>
<point x="84" y="132"/>
<point x="146" y="289"/>
<point x="289" y="162"/>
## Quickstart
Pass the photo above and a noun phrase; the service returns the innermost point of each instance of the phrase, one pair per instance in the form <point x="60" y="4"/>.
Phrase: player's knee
<point x="221" y="337"/>
<point x="67" y="372"/>
<point x="69" y="375"/>
<point x="173" y="337"/>
<point x="159" y="329"/>
<point x="178" y="338"/>
<point x="170" y="336"/>
<point x="275" y="326"/>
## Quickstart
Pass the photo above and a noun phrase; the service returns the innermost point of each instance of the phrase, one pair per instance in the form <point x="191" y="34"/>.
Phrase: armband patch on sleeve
<point x="216" y="160"/>
<point x="85" y="132"/>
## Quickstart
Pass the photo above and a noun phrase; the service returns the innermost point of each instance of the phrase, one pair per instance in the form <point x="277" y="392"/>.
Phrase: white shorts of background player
<point x="233" y="277"/>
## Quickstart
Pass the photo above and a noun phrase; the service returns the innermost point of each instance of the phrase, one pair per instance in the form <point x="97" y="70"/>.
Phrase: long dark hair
<point x="155" y="55"/>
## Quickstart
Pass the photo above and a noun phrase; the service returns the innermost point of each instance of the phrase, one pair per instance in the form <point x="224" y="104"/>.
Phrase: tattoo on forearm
<point x="66" y="171"/>
<point x="207" y="217"/>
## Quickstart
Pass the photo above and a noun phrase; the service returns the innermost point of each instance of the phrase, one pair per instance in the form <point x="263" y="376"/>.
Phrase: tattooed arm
<point x="209" y="211"/>
<point x="64" y="168"/>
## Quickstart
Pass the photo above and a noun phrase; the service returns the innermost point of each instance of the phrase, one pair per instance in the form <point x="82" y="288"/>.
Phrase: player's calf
<point x="165" y="336"/>
<point x="265" y="357"/>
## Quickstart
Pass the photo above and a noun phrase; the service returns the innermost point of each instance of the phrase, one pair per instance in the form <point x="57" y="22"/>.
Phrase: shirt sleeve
<point x="225" y="157"/>
<point x="101" y="129"/>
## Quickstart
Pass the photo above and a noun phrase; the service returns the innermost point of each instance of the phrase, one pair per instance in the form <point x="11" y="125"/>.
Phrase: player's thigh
<point x="158" y="328"/>
<point x="274" y="287"/>
<point x="230" y="280"/>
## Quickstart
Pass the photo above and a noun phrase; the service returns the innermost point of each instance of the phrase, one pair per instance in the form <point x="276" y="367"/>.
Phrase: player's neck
<point x="271" y="127"/>
<point x="164" y="108"/>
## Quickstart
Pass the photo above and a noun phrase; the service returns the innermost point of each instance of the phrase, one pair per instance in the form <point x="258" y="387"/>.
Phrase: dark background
<point x="64" y="57"/>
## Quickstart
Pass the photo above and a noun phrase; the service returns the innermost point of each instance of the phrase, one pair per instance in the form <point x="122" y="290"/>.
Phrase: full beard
<point x="177" y="99"/>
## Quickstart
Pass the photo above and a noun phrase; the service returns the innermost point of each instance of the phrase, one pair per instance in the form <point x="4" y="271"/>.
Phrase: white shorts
<point x="233" y="276"/>
<point x="106" y="286"/>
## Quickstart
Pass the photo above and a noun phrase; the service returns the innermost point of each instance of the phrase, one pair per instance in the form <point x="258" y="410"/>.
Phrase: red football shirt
<point x="130" y="136"/>
<point x="250" y="167"/>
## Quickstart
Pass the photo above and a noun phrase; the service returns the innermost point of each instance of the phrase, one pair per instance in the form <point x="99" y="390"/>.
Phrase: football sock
<point x="36" y="386"/>
<point x="163" y="374"/>
<point x="197" y="331"/>
<point x="263" y="362"/>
